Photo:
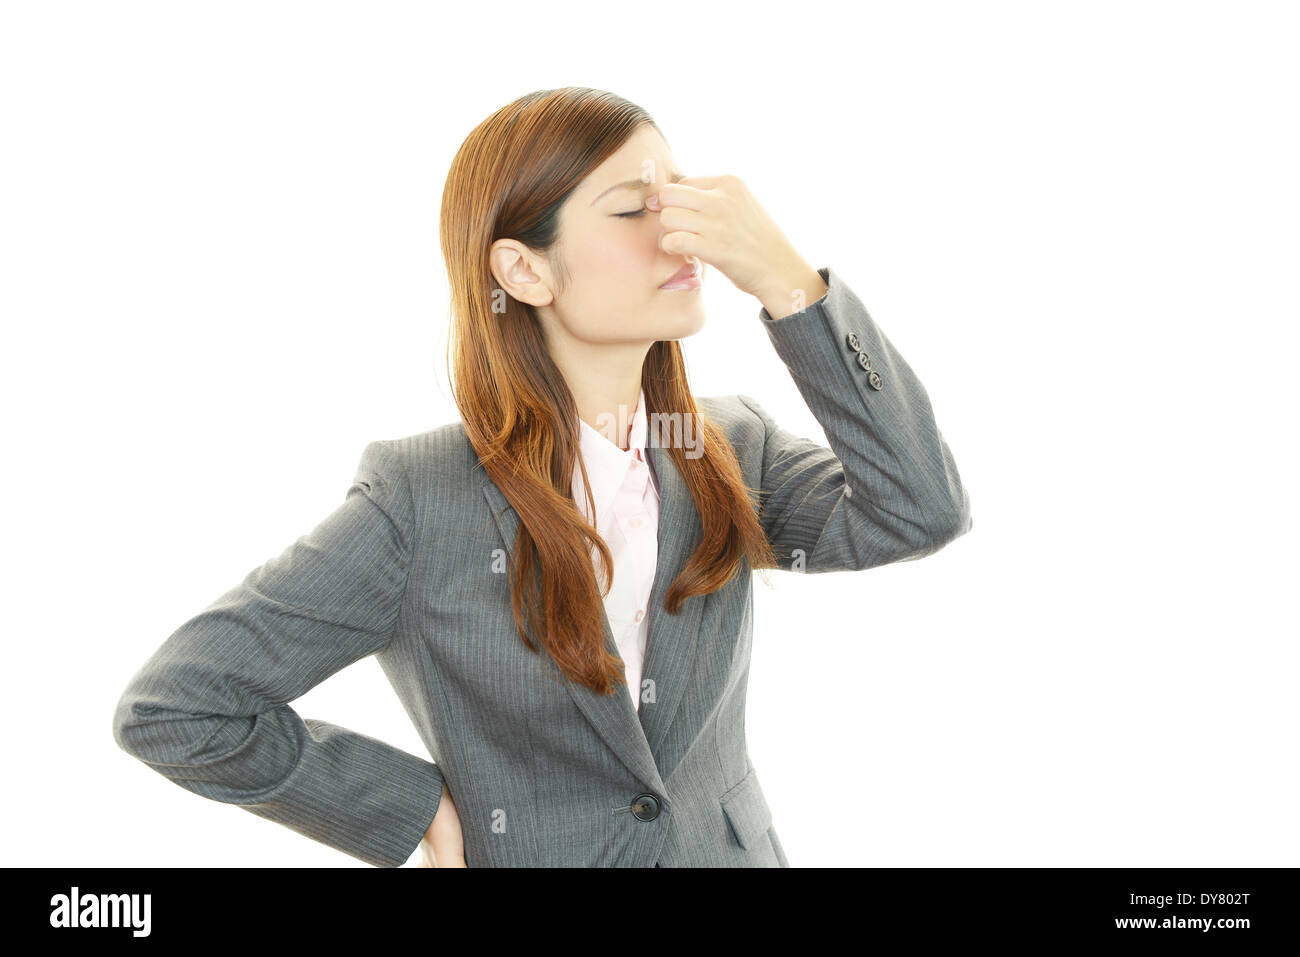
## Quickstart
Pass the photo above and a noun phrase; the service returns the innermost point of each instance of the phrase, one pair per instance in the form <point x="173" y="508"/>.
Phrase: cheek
<point x="612" y="267"/>
<point x="625" y="245"/>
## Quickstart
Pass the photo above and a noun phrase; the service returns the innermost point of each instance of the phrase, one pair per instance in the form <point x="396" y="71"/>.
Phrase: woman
<point x="559" y="586"/>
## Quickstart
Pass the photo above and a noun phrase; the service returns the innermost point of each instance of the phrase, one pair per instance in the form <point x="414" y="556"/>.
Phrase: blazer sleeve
<point x="210" y="709"/>
<point x="887" y="489"/>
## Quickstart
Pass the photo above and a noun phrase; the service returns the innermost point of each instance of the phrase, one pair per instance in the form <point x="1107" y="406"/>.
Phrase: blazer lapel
<point x="672" y="640"/>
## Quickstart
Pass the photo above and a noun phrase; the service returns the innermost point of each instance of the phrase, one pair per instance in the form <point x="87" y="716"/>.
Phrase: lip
<point x="688" y="277"/>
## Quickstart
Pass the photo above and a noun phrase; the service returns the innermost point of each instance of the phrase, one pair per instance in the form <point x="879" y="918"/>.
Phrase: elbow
<point x="952" y="523"/>
<point x="131" y="724"/>
<point x="158" y="736"/>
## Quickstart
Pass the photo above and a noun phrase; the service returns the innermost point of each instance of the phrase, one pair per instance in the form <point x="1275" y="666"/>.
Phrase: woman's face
<point x="609" y="248"/>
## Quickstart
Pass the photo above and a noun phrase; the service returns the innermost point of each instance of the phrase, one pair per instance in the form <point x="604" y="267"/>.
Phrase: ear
<point x="522" y="274"/>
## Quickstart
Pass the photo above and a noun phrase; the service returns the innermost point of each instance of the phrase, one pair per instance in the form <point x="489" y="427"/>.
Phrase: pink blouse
<point x="626" y="494"/>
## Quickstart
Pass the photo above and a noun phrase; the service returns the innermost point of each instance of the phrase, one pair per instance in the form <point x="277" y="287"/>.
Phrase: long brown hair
<point x="508" y="180"/>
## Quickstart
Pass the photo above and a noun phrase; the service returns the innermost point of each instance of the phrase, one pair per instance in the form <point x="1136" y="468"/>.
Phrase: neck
<point x="606" y="384"/>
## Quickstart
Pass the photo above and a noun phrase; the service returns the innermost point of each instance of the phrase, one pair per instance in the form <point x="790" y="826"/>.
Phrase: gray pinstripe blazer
<point x="544" y="772"/>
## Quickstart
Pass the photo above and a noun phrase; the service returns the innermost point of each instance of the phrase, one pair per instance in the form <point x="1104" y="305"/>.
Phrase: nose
<point x="660" y="232"/>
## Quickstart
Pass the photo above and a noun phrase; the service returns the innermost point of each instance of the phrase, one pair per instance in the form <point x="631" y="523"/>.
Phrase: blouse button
<point x="640" y="613"/>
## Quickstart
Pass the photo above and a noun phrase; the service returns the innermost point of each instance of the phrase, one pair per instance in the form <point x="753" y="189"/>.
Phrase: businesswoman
<point x="558" y="586"/>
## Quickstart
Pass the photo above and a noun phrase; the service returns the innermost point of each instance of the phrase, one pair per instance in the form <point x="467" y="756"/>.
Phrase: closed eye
<point x="639" y="212"/>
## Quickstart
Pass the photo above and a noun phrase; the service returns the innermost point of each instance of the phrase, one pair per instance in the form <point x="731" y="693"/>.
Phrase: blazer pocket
<point x="747" y="810"/>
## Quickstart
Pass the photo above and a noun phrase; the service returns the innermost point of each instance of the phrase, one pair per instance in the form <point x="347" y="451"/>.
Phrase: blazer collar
<point x="672" y="641"/>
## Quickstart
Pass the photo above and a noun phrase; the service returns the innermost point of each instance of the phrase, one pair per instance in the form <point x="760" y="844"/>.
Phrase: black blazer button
<point x="645" y="807"/>
<point x="853" y="342"/>
<point x="864" y="361"/>
<point x="876" y="382"/>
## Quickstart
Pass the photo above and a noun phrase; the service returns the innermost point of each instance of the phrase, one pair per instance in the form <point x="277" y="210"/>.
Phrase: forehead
<point x="644" y="152"/>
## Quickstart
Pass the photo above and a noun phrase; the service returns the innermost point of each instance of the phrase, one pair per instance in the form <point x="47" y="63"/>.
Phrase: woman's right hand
<point x="442" y="844"/>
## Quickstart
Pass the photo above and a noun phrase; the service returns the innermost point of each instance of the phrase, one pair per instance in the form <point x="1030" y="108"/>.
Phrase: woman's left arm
<point x="887" y="489"/>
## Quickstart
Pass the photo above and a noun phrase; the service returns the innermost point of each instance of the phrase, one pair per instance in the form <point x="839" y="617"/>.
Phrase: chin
<point x="682" y="324"/>
<point x="685" y="330"/>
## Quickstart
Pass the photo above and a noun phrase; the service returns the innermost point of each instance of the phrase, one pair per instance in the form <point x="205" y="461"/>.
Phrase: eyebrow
<point x="638" y="184"/>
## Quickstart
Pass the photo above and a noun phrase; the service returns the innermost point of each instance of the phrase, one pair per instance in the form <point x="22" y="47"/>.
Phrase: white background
<point x="1076" y="221"/>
